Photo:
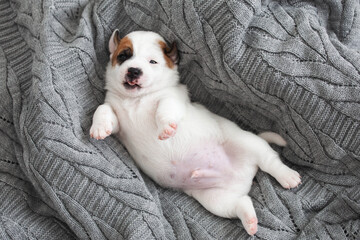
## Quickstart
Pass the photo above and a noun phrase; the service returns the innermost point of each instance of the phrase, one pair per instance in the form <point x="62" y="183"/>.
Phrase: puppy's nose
<point x="134" y="73"/>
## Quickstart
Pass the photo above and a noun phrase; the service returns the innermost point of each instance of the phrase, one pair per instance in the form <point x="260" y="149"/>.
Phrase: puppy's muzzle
<point x="133" y="74"/>
<point x="131" y="78"/>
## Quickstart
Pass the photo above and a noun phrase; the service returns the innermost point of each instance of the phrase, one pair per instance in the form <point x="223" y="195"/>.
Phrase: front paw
<point x="168" y="131"/>
<point x="101" y="130"/>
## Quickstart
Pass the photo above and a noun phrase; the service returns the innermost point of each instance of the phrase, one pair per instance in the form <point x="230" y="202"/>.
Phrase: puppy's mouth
<point x="131" y="83"/>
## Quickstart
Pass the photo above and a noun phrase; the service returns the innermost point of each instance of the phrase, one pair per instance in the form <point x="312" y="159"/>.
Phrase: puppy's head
<point x="140" y="63"/>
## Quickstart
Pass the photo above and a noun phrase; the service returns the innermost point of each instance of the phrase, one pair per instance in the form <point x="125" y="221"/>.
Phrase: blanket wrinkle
<point x="291" y="67"/>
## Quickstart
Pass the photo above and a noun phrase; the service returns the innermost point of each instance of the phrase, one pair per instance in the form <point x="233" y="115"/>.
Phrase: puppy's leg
<point x="228" y="204"/>
<point x="272" y="164"/>
<point x="239" y="142"/>
<point x="105" y="122"/>
<point x="246" y="212"/>
<point x="168" y="114"/>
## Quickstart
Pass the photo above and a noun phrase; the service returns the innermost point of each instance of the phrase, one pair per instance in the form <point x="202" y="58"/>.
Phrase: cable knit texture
<point x="290" y="66"/>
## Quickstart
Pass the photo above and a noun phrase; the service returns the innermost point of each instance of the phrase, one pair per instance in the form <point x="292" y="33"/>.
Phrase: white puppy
<point x="177" y="143"/>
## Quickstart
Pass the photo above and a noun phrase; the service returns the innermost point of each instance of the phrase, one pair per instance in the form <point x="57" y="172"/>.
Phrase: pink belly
<point x="204" y="167"/>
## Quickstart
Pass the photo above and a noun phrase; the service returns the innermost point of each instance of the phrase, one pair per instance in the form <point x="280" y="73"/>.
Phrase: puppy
<point x="177" y="143"/>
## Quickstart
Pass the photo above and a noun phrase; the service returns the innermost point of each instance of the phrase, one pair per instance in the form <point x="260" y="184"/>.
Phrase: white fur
<point x="180" y="144"/>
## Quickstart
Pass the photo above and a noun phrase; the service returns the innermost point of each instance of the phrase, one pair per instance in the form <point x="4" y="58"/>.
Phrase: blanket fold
<point x="292" y="67"/>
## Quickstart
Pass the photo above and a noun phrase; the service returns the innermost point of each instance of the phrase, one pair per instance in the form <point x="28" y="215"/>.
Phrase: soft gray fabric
<point x="288" y="66"/>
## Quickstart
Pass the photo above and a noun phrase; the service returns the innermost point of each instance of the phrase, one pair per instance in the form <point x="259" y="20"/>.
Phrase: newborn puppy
<point x="177" y="143"/>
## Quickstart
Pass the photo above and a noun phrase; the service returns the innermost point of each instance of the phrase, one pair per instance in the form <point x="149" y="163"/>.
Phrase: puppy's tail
<point x="272" y="137"/>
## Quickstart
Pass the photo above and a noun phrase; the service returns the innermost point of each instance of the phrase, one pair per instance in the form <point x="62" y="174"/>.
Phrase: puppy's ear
<point x="114" y="41"/>
<point x="170" y="54"/>
<point x="173" y="53"/>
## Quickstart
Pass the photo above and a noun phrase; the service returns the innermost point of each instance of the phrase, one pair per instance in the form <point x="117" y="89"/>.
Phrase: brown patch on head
<point x="124" y="50"/>
<point x="170" y="54"/>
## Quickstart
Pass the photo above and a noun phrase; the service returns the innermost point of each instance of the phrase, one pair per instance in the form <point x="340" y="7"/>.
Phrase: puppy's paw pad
<point x="100" y="130"/>
<point x="251" y="225"/>
<point x="195" y="174"/>
<point x="290" y="179"/>
<point x="173" y="125"/>
<point x="168" y="131"/>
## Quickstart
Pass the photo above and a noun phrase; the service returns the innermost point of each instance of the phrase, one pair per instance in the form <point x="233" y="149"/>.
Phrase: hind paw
<point x="289" y="178"/>
<point x="250" y="225"/>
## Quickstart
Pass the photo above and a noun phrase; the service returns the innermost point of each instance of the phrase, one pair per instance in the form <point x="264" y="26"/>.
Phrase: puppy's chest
<point x="136" y="116"/>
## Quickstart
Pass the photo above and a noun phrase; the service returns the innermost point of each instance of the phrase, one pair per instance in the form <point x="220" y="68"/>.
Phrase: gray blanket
<point x="292" y="67"/>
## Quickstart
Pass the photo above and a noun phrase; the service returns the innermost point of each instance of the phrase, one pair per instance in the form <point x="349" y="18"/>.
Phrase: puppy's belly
<point x="204" y="166"/>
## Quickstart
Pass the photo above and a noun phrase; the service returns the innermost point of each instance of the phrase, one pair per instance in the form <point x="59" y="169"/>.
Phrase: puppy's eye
<point x="122" y="57"/>
<point x="153" y="62"/>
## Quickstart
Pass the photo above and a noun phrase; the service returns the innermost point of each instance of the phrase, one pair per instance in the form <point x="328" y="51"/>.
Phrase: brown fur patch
<point x="124" y="44"/>
<point x="165" y="50"/>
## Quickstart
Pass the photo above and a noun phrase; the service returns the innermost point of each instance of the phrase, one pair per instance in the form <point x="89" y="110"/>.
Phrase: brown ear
<point x="172" y="53"/>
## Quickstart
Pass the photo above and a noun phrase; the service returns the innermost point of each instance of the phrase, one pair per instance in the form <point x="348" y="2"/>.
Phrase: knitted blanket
<point x="292" y="67"/>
